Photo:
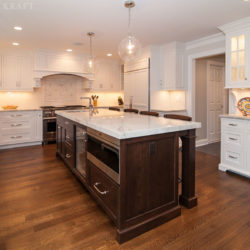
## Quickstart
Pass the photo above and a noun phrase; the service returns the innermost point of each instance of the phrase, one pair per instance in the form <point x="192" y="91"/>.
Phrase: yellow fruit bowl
<point x="9" y="107"/>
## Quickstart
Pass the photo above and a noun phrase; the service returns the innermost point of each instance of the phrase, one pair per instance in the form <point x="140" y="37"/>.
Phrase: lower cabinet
<point x="65" y="140"/>
<point x="235" y="143"/>
<point x="20" y="128"/>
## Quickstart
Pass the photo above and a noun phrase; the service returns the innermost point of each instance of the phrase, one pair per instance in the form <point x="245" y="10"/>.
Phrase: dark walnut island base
<point x="143" y="192"/>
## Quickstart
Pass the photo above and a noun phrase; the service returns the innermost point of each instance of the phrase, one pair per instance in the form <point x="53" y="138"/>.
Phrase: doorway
<point x="211" y="99"/>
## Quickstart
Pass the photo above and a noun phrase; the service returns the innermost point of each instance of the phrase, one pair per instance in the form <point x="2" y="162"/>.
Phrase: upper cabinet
<point x="237" y="53"/>
<point x="172" y="58"/>
<point x="107" y="75"/>
<point x="16" y="72"/>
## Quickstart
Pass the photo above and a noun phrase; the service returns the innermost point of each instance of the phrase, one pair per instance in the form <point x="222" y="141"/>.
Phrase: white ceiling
<point x="58" y="24"/>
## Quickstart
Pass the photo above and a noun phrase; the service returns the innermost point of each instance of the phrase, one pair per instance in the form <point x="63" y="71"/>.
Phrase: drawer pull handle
<point x="67" y="137"/>
<point x="68" y="156"/>
<point x="16" y="137"/>
<point x="16" y="115"/>
<point x="98" y="190"/>
<point x="16" y="125"/>
<point x="233" y="124"/>
<point x="232" y="157"/>
<point x="233" y="139"/>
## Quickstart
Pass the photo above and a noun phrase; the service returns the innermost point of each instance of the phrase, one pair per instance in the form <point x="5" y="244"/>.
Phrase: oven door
<point x="104" y="156"/>
<point x="49" y="130"/>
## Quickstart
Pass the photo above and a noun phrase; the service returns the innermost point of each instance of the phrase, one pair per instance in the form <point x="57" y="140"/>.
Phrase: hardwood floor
<point x="42" y="206"/>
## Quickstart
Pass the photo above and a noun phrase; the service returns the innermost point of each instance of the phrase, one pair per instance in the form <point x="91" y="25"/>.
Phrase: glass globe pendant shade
<point x="91" y="65"/>
<point x="129" y="48"/>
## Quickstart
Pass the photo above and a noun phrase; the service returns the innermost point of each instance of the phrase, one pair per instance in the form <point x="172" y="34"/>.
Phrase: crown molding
<point x="207" y="40"/>
<point x="243" y="23"/>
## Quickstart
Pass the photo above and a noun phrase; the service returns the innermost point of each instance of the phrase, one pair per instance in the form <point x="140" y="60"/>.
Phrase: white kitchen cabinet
<point x="107" y="75"/>
<point x="16" y="73"/>
<point x="136" y="84"/>
<point x="237" y="53"/>
<point x="20" y="128"/>
<point x="172" y="58"/>
<point x="136" y="87"/>
<point x="235" y="143"/>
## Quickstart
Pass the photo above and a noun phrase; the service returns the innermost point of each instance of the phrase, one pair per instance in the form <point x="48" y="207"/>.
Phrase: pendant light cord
<point x="129" y="20"/>
<point x="90" y="46"/>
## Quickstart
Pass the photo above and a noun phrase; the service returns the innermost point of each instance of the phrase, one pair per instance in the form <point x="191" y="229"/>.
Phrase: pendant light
<point x="91" y="58"/>
<point x="129" y="47"/>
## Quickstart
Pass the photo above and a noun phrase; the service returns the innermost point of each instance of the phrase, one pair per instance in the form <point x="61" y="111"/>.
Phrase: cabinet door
<point x="151" y="175"/>
<point x="11" y="73"/>
<point x="59" y="131"/>
<point x="17" y="72"/>
<point x="237" y="60"/>
<point x="136" y="87"/>
<point x="26" y="72"/>
<point x="107" y="75"/>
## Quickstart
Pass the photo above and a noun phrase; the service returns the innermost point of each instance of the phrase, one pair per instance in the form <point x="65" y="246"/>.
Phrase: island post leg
<point x="187" y="197"/>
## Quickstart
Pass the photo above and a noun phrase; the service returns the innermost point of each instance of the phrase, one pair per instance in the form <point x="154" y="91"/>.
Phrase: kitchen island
<point x="129" y="164"/>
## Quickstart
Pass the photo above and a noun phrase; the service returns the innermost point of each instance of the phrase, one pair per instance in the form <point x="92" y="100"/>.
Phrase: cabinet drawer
<point x="233" y="138"/>
<point x="69" y="156"/>
<point x="14" y="138"/>
<point x="232" y="124"/>
<point x="14" y="125"/>
<point x="232" y="156"/>
<point x="16" y="115"/>
<point x="104" y="188"/>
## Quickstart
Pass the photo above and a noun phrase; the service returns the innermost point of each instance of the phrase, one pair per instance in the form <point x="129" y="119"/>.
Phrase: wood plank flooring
<point x="43" y="206"/>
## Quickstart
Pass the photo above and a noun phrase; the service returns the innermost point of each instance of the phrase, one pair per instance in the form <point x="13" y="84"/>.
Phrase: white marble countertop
<point x="20" y="109"/>
<point x="123" y="125"/>
<point x="235" y="116"/>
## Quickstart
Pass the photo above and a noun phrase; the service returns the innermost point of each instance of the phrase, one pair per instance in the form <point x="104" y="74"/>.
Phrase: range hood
<point x="54" y="63"/>
<point x="39" y="74"/>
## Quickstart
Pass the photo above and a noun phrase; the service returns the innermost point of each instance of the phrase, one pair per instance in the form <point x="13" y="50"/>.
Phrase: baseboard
<point x="201" y="142"/>
<point x="21" y="145"/>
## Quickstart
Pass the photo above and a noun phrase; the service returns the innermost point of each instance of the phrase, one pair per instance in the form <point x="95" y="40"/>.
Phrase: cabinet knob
<point x="245" y="78"/>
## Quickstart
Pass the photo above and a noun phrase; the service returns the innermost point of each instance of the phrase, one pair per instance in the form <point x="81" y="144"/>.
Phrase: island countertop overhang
<point x="123" y="125"/>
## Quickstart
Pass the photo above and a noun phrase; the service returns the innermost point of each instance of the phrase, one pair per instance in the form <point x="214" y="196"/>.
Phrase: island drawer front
<point x="104" y="188"/>
<point x="233" y="124"/>
<point x="69" y="156"/>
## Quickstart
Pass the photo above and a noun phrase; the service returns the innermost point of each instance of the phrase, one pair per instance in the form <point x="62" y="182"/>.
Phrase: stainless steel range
<point x="49" y="121"/>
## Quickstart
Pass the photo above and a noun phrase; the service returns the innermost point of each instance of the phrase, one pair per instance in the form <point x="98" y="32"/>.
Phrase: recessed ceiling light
<point x="246" y="0"/>
<point x="18" y="28"/>
<point x="109" y="54"/>
<point x="15" y="43"/>
<point x="69" y="50"/>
